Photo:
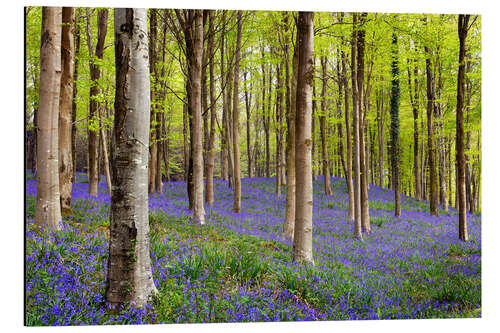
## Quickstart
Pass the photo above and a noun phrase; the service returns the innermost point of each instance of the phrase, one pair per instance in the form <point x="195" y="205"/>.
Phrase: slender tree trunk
<point x="288" y="227"/>
<point x="279" y="137"/>
<point x="48" y="205"/>
<point x="395" y="94"/>
<point x="365" y="212"/>
<point x="349" y="181"/>
<point x="152" y="126"/>
<point x="322" y="125"/>
<point x="185" y="132"/>
<point x="440" y="141"/>
<point x="95" y="74"/>
<point x="73" y="100"/>
<point x="224" y="142"/>
<point x="433" y="180"/>
<point x="356" y="112"/>
<point x="413" y="92"/>
<point x="247" y="108"/>
<point x="65" y="110"/>
<point x="195" y="100"/>
<point x="105" y="159"/>
<point x="339" y="116"/>
<point x="302" y="242"/>
<point x="129" y="266"/>
<point x="463" y="22"/>
<point x="209" y="191"/>
<point x="236" y="134"/>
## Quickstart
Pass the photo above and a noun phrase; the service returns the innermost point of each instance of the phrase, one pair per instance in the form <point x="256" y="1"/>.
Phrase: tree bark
<point x="248" y="101"/>
<point x="95" y="74"/>
<point x="48" y="205"/>
<point x="65" y="110"/>
<point x="302" y="242"/>
<point x="73" y="100"/>
<point x="349" y="182"/>
<point x="236" y="132"/>
<point x="395" y="94"/>
<point x="322" y="125"/>
<point x="433" y="180"/>
<point x="288" y="226"/>
<point x="463" y="22"/>
<point x="413" y="92"/>
<point x="363" y="166"/>
<point x="130" y="278"/>
<point x="209" y="191"/>
<point x="356" y="112"/>
<point x="153" y="153"/>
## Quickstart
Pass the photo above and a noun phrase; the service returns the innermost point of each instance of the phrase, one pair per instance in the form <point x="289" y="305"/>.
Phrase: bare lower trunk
<point x="65" y="110"/>
<point x="302" y="242"/>
<point x="195" y="100"/>
<point x="130" y="278"/>
<point x="104" y="148"/>
<point x="48" y="206"/>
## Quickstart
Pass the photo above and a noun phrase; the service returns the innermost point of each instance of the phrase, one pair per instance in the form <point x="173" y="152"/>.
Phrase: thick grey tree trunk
<point x="195" y="100"/>
<point x="48" y="206"/>
<point x="129" y="266"/>
<point x="302" y="241"/>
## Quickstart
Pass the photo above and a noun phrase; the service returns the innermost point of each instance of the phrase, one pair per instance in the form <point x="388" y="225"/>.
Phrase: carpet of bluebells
<point x="238" y="267"/>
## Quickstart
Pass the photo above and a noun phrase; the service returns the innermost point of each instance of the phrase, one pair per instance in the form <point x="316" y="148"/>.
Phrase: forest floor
<point x="238" y="268"/>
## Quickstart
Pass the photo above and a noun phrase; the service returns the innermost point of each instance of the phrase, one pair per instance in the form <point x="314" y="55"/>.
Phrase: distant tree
<point x="395" y="93"/>
<point x="65" y="109"/>
<point x="302" y="240"/>
<point x="48" y="205"/>
<point x="463" y="26"/>
<point x="129" y="266"/>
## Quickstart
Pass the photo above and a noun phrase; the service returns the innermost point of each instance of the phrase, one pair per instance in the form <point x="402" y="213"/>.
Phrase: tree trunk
<point x="365" y="212"/>
<point x="433" y="180"/>
<point x="288" y="226"/>
<point x="95" y="74"/>
<point x="247" y="108"/>
<point x="73" y="100"/>
<point x="349" y="182"/>
<point x="65" y="110"/>
<point x="209" y="191"/>
<point x="395" y="94"/>
<point x="104" y="148"/>
<point x="463" y="22"/>
<point x="322" y="125"/>
<point x="130" y="278"/>
<point x="302" y="242"/>
<point x="153" y="153"/>
<point x="356" y="112"/>
<point x="414" y="104"/>
<point x="48" y="205"/>
<point x="279" y="137"/>
<point x="195" y="100"/>
<point x="236" y="134"/>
